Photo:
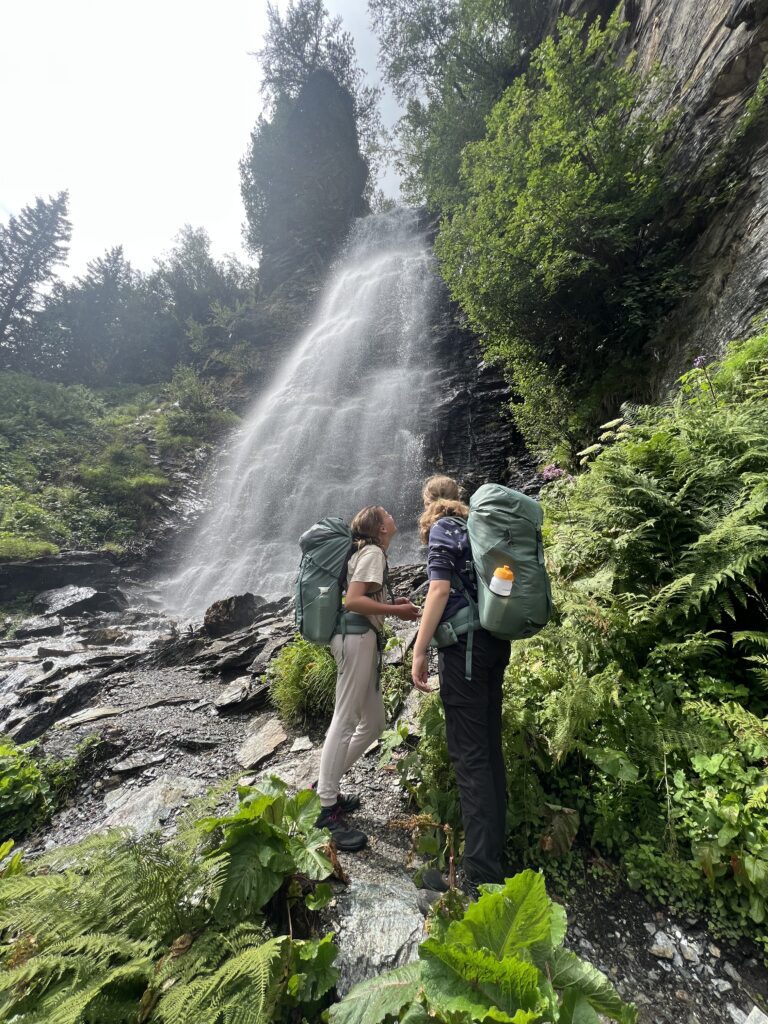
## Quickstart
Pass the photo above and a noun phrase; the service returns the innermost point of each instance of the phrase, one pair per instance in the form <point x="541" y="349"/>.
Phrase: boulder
<point x="232" y="613"/>
<point x="366" y="952"/>
<point x="73" y="601"/>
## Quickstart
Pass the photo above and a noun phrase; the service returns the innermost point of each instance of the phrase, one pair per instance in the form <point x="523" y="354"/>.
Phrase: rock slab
<point x="267" y="736"/>
<point x="365" y="949"/>
<point x="148" y="808"/>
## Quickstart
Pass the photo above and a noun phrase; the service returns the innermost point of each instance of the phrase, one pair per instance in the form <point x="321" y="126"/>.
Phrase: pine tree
<point x="30" y="247"/>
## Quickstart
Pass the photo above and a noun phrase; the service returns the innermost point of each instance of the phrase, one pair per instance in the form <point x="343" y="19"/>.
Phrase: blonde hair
<point x="365" y="526"/>
<point x="442" y="497"/>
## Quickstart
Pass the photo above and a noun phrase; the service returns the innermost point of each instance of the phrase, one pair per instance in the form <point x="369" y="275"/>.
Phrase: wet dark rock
<point x="105" y="635"/>
<point x="242" y="695"/>
<point x="151" y="806"/>
<point x="51" y="709"/>
<point x="231" y="614"/>
<point x="72" y="600"/>
<point x="271" y="648"/>
<point x="42" y="625"/>
<point x="94" y="568"/>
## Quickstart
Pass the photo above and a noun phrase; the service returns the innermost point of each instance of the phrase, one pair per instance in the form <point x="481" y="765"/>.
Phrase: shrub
<point x="25" y="793"/>
<point x="303" y="683"/>
<point x="563" y="250"/>
<point x="120" y="929"/>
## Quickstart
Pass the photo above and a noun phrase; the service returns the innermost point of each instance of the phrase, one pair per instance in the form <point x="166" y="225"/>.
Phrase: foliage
<point x="303" y="683"/>
<point x="31" y="244"/>
<point x="642" y="707"/>
<point x="77" y="466"/>
<point x="501" y="960"/>
<point x="122" y="929"/>
<point x="31" y="787"/>
<point x="306" y="39"/>
<point x="561" y="250"/>
<point x="448" y="63"/>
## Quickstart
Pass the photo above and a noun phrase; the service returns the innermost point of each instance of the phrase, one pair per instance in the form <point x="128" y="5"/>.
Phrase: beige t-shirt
<point x="368" y="566"/>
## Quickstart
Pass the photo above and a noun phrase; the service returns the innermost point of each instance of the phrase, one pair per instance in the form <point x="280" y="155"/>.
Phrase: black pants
<point x="473" y="727"/>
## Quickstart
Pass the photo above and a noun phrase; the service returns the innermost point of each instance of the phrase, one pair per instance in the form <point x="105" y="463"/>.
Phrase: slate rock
<point x="231" y="614"/>
<point x="365" y="951"/>
<point x="663" y="947"/>
<point x="271" y="648"/>
<point x="150" y="806"/>
<point x="90" y="715"/>
<point x="41" y="625"/>
<point x="138" y="762"/>
<point x="757" y="1016"/>
<point x="77" y="691"/>
<point x="267" y="736"/>
<point x="242" y="695"/>
<point x="73" y="601"/>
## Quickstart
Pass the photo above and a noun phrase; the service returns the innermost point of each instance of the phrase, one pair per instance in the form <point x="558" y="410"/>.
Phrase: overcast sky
<point x="141" y="110"/>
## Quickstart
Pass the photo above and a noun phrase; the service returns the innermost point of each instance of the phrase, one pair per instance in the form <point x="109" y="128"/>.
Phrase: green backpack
<point x="326" y="549"/>
<point x="504" y="528"/>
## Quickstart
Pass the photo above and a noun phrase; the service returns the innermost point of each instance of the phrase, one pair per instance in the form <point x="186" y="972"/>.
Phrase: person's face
<point x="388" y="527"/>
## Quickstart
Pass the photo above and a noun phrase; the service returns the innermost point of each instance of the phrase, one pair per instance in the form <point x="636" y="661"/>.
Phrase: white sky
<point x="142" y="110"/>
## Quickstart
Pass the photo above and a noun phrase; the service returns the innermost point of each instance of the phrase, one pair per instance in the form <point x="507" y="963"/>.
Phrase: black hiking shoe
<point x="434" y="880"/>
<point x="467" y="886"/>
<point x="348" y="802"/>
<point x="351" y="839"/>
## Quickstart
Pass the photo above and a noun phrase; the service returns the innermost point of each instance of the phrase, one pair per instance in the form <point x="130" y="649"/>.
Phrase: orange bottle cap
<point x="504" y="573"/>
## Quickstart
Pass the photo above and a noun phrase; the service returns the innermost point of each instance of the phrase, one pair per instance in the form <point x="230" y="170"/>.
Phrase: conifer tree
<point x="31" y="245"/>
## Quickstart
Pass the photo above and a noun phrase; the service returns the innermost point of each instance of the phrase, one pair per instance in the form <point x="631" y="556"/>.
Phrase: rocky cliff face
<point x="713" y="52"/>
<point x="472" y="435"/>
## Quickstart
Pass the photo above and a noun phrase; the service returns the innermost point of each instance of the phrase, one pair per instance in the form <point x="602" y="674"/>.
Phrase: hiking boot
<point x="351" y="839"/>
<point x="348" y="802"/>
<point x="434" y="880"/>
<point x="467" y="886"/>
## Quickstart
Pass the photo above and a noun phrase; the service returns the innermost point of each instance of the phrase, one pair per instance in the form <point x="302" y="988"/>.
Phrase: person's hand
<point x="420" y="672"/>
<point x="407" y="611"/>
<point x="401" y="600"/>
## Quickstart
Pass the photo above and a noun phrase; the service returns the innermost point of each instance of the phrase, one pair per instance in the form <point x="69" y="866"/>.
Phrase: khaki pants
<point x="358" y="714"/>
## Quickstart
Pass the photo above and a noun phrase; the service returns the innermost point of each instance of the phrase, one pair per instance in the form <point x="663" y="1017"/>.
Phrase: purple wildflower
<point x="552" y="472"/>
<point x="699" y="362"/>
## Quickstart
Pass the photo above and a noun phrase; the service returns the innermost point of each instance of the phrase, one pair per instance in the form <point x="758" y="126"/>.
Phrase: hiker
<point x="358" y="715"/>
<point x="472" y="706"/>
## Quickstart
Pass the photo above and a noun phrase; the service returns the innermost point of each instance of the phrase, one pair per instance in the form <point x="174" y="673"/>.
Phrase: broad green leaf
<point x="372" y="1001"/>
<point x="320" y="898"/>
<point x="509" y="920"/>
<point x="576" y="1010"/>
<point x="302" y="810"/>
<point x="575" y="979"/>
<point x="558" y="923"/>
<point x="313" y="970"/>
<point x="458" y="978"/>
<point x="613" y="763"/>
<point x="309" y="857"/>
<point x="417" y="1014"/>
<point x="560" y="832"/>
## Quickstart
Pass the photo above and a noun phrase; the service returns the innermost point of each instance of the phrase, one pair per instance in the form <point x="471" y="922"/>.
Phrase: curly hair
<point x="442" y="497"/>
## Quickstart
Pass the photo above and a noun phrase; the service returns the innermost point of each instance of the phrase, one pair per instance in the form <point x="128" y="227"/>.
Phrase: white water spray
<point x="342" y="425"/>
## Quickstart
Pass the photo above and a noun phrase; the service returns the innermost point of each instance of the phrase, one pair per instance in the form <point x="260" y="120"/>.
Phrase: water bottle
<point x="502" y="581"/>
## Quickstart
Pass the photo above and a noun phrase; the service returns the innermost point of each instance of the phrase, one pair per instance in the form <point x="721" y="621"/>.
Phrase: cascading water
<point x="342" y="425"/>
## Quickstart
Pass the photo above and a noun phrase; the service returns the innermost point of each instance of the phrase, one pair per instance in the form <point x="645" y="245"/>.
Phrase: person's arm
<point x="434" y="606"/>
<point x="357" y="600"/>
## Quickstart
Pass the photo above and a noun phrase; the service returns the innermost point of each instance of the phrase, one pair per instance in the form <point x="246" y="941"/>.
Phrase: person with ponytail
<point x="358" y="714"/>
<point x="472" y="706"/>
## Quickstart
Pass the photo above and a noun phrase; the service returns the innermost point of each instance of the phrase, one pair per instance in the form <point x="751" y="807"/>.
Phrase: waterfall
<point x="341" y="426"/>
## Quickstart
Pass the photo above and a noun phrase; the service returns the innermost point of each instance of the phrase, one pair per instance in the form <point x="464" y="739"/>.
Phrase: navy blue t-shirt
<point x="449" y="553"/>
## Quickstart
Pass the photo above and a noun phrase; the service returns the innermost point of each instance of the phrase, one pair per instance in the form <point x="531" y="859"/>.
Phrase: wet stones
<point x="41" y="625"/>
